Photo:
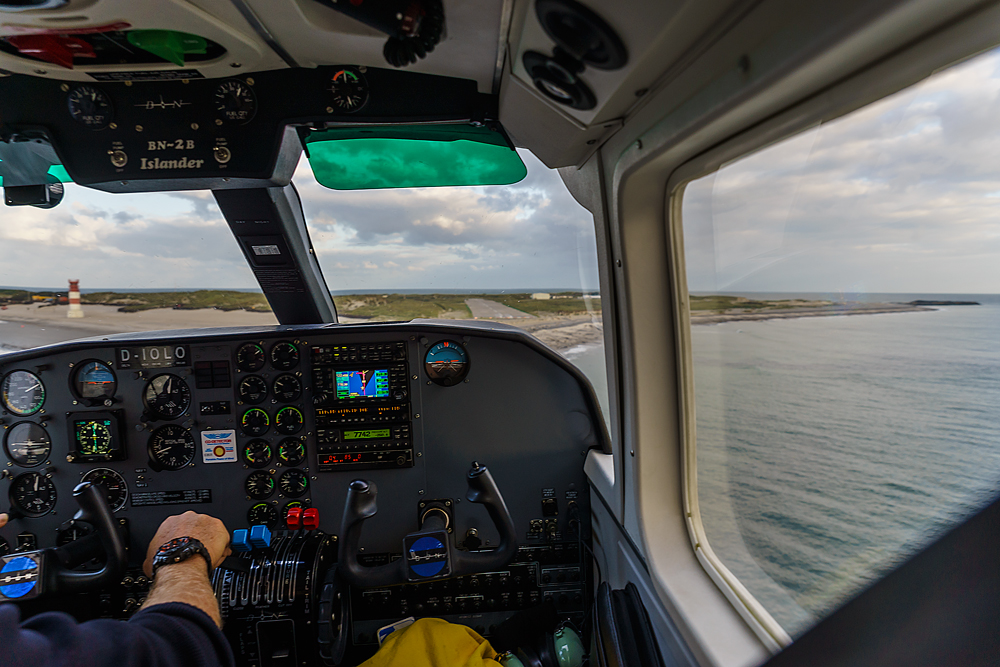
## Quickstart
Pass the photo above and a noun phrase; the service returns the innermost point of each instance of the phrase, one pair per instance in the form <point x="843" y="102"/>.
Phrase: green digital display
<point x="366" y="435"/>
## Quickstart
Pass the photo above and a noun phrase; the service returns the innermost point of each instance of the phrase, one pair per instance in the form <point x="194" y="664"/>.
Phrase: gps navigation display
<point x="363" y="384"/>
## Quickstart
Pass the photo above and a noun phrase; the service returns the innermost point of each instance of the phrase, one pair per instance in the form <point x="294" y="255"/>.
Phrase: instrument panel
<point x="248" y="425"/>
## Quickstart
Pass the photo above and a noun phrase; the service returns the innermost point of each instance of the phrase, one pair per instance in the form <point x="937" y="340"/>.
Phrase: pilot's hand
<point x="206" y="529"/>
<point x="3" y="520"/>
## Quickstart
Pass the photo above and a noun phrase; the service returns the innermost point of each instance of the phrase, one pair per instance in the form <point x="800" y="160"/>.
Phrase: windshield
<point x="523" y="255"/>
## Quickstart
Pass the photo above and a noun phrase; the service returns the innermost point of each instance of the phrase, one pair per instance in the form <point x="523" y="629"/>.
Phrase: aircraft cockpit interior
<point x="460" y="462"/>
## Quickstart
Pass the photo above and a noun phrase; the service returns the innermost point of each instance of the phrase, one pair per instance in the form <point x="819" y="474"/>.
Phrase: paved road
<point x="492" y="310"/>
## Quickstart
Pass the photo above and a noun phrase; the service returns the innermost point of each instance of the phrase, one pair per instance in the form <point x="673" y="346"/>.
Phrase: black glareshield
<point x="428" y="553"/>
<point x="27" y="576"/>
<point x="270" y="228"/>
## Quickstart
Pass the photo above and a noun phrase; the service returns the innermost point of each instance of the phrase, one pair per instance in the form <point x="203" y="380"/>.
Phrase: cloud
<point x="896" y="196"/>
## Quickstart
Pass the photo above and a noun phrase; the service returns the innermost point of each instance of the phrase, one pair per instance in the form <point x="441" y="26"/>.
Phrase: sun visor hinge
<point x="270" y="228"/>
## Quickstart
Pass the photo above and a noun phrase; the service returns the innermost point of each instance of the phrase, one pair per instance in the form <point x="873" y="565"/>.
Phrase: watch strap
<point x="178" y="550"/>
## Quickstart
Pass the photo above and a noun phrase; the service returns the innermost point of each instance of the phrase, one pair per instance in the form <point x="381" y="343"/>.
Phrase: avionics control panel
<point x="362" y="406"/>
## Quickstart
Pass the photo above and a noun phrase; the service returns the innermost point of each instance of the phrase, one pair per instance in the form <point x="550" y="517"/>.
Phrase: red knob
<point x="310" y="518"/>
<point x="294" y="518"/>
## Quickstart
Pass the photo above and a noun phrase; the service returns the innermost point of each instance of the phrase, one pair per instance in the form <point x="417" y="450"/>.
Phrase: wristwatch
<point x="180" y="549"/>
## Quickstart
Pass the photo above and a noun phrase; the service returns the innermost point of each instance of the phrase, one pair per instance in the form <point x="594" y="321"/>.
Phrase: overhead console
<point x="285" y="433"/>
<point x="169" y="131"/>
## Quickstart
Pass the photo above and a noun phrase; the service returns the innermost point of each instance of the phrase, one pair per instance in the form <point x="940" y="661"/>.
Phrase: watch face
<point x="179" y="549"/>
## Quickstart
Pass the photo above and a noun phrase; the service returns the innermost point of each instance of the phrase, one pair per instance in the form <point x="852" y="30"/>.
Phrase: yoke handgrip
<point x="361" y="505"/>
<point x="60" y="578"/>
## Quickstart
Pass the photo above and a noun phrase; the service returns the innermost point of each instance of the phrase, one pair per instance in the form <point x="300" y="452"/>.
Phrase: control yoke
<point x="35" y="573"/>
<point x="428" y="553"/>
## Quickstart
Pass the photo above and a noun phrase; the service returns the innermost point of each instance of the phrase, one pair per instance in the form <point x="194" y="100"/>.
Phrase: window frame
<point x="949" y="47"/>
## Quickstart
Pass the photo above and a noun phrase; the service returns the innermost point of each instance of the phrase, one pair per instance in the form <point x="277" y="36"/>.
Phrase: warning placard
<point x="218" y="446"/>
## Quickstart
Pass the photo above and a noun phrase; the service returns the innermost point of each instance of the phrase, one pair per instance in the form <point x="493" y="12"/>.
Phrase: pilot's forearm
<point x="186" y="582"/>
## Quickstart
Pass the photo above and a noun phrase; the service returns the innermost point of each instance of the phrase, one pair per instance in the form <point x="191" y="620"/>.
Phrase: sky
<point x="531" y="235"/>
<point x="901" y="196"/>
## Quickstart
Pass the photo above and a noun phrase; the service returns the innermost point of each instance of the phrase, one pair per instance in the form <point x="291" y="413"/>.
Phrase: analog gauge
<point x="257" y="453"/>
<point x="259" y="485"/>
<point x="94" y="379"/>
<point x="90" y="107"/>
<point x="33" y="493"/>
<point x="235" y="102"/>
<point x="74" y="531"/>
<point x="23" y="393"/>
<point x="284" y="356"/>
<point x="112" y="482"/>
<point x="255" y="422"/>
<point x="171" y="447"/>
<point x="288" y="420"/>
<point x="350" y="91"/>
<point x="291" y="452"/>
<point x="93" y="437"/>
<point x="252" y="389"/>
<point x="4" y="547"/>
<point x="262" y="514"/>
<point x="27" y="444"/>
<point x="289" y="505"/>
<point x="293" y="483"/>
<point x="250" y="357"/>
<point x="287" y="388"/>
<point x="446" y="363"/>
<point x="167" y="396"/>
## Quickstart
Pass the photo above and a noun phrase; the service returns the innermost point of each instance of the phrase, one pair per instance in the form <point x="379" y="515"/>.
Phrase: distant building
<point x="541" y="296"/>
<point x="74" y="300"/>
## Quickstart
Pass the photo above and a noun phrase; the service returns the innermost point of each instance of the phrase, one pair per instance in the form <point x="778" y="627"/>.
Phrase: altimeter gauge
<point x="33" y="493"/>
<point x="171" y="447"/>
<point x="22" y="393"/>
<point x="167" y="396"/>
<point x="113" y="483"/>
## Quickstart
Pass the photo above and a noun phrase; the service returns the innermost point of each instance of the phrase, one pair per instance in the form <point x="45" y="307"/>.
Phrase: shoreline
<point x="27" y="326"/>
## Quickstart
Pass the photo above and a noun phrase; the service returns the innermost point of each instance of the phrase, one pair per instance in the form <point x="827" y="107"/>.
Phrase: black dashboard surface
<point x="241" y="423"/>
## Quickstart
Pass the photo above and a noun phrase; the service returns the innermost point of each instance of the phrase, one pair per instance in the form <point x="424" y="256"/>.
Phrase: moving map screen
<point x="363" y="384"/>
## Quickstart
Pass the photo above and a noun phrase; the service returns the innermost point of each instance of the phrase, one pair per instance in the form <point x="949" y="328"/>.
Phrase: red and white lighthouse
<point x="74" y="300"/>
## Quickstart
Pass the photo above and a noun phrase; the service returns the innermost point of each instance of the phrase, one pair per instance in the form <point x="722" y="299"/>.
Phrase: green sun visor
<point x="412" y="156"/>
<point x="56" y="171"/>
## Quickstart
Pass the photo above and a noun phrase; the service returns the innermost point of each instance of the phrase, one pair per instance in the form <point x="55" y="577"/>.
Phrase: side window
<point x="845" y="303"/>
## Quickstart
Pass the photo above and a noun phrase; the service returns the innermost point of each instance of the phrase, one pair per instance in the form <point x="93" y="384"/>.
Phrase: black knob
<point x="360" y="486"/>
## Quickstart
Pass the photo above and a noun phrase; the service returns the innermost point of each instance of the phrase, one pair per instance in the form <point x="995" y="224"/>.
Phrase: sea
<point x="830" y="449"/>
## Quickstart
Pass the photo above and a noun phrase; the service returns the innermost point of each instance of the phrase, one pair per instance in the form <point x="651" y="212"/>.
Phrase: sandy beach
<point x="851" y="308"/>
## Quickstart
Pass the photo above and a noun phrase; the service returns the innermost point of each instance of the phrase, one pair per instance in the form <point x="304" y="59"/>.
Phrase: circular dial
<point x="33" y="494"/>
<point x="113" y="482"/>
<point x="90" y="107"/>
<point x="235" y="102"/>
<point x="74" y="531"/>
<point x="167" y="396"/>
<point x="288" y="420"/>
<point x="350" y="90"/>
<point x="94" y="379"/>
<point x="252" y="389"/>
<point x="291" y="452"/>
<point x="23" y="393"/>
<point x="255" y="422"/>
<point x="250" y="357"/>
<point x="446" y="363"/>
<point x="27" y="444"/>
<point x="171" y="447"/>
<point x="257" y="453"/>
<point x="262" y="514"/>
<point x="293" y="483"/>
<point x="259" y="485"/>
<point x="284" y="356"/>
<point x="287" y="388"/>
<point x="93" y="438"/>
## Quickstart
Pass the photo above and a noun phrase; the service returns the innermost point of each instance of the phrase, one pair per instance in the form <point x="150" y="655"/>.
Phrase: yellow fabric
<point x="432" y="642"/>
